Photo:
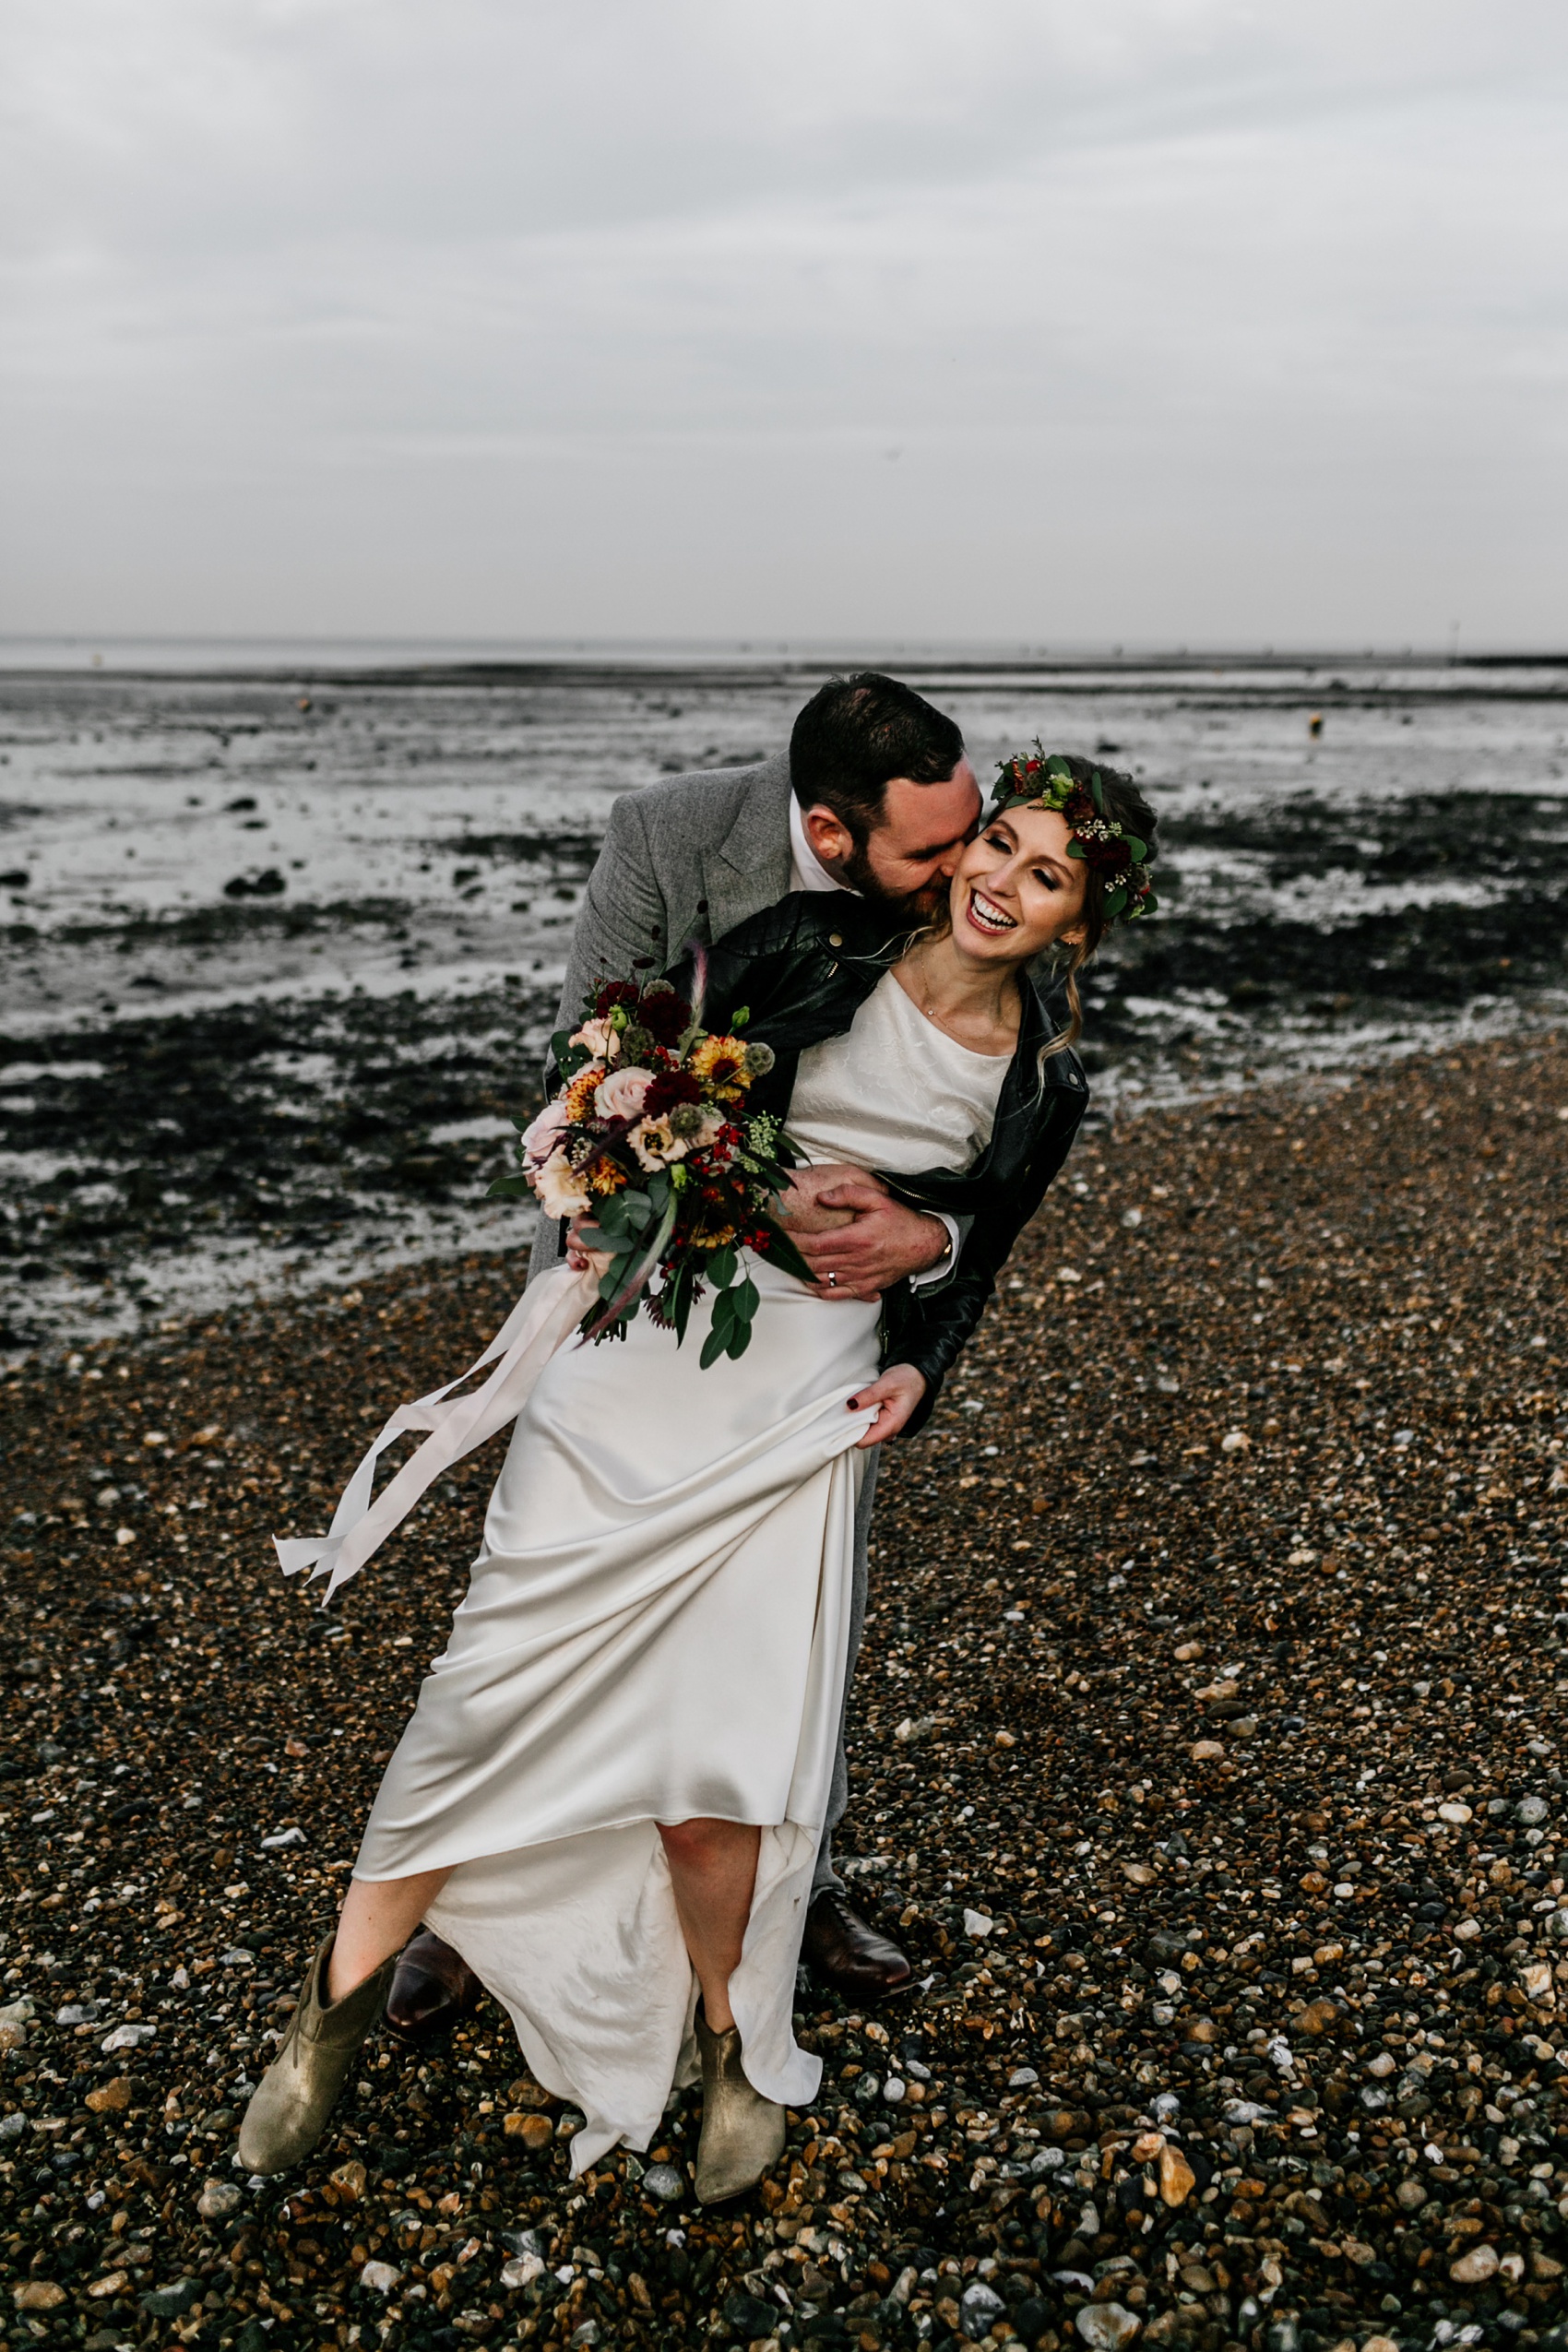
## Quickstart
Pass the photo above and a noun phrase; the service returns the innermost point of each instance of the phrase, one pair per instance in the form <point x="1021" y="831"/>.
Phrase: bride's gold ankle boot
<point x="743" y="2133"/>
<point x="291" y="2104"/>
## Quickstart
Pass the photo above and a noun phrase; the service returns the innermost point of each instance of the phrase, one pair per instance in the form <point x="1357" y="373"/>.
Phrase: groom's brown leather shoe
<point x="846" y="1952"/>
<point x="433" y="1987"/>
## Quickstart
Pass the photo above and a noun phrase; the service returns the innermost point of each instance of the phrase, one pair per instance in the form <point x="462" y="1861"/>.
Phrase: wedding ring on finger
<point x="833" y="1282"/>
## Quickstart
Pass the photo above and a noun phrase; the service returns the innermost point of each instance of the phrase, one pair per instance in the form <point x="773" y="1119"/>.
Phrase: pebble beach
<point x="1205" y="1761"/>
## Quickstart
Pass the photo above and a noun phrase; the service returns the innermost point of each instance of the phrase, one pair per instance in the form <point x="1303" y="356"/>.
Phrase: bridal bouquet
<point x="650" y="1139"/>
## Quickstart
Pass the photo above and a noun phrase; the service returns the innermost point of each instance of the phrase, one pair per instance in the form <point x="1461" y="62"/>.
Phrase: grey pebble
<point x="170" y="2302"/>
<point x="662" y="2181"/>
<point x="523" y="2241"/>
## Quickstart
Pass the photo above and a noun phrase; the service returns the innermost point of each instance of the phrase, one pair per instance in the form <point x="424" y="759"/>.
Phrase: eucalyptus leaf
<point x="510" y="1188"/>
<point x="614" y="1274"/>
<point x="780" y="1251"/>
<point x="679" y="1299"/>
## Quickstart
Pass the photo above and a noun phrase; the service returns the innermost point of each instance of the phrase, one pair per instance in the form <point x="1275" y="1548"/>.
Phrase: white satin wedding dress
<point x="655" y="1628"/>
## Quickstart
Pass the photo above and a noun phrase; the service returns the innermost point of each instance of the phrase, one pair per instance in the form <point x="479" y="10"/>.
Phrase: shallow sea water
<point x="280" y="943"/>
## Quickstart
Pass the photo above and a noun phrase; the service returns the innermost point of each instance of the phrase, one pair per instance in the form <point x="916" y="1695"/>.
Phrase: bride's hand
<point x="581" y="1259"/>
<point x="897" y="1391"/>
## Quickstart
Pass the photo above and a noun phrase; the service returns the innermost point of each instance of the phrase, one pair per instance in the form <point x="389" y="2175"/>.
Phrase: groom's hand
<point x="885" y="1242"/>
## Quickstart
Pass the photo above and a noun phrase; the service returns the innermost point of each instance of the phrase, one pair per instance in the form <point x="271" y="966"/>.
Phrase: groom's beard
<point x="920" y="905"/>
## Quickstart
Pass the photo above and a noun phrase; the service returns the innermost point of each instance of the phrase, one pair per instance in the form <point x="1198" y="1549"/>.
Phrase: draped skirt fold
<point x="655" y="1628"/>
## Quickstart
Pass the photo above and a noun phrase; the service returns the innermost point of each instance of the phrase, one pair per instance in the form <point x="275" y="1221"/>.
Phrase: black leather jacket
<point x="803" y="969"/>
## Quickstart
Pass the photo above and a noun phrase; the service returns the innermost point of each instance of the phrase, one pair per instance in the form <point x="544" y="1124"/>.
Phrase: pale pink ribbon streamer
<point x="542" y="1320"/>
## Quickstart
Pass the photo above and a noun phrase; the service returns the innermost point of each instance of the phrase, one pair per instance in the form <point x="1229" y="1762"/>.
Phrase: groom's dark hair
<point x="856" y="734"/>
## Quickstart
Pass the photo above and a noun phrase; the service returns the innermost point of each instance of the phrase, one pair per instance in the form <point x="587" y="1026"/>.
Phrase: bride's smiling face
<point x="1016" y="890"/>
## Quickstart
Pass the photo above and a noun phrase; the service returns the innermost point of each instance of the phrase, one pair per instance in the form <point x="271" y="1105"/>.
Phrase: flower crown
<point x="1047" y="782"/>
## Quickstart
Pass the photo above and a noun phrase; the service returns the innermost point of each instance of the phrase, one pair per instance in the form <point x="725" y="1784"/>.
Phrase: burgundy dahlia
<point x="665" y="1015"/>
<point x="667" y="1091"/>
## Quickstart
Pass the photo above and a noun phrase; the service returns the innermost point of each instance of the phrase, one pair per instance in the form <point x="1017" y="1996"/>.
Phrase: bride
<point x="609" y="1794"/>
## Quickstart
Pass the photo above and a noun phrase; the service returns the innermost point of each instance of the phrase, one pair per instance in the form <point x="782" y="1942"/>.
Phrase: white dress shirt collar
<point x="806" y="869"/>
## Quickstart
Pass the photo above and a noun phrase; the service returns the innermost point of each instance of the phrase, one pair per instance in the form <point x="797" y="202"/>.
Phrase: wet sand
<point x="279" y="952"/>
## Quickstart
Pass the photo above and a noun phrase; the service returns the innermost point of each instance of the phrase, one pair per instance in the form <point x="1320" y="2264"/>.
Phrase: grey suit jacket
<point x="688" y="858"/>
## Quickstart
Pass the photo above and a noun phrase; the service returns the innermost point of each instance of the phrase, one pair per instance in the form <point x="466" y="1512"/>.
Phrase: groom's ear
<point x="828" y="835"/>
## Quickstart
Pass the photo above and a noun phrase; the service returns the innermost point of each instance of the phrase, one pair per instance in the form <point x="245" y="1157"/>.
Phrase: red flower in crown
<point x="1079" y="808"/>
<point x="1106" y="856"/>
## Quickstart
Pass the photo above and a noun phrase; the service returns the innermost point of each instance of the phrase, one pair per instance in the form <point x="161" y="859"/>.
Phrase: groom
<point x="875" y="796"/>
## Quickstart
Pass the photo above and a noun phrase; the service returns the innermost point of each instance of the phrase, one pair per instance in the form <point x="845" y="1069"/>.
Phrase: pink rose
<point x="601" y="1041"/>
<point x="541" y="1139"/>
<point x="622" y="1094"/>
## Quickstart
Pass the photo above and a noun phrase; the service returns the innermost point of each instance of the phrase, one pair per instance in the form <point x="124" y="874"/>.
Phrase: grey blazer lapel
<point x="750" y="868"/>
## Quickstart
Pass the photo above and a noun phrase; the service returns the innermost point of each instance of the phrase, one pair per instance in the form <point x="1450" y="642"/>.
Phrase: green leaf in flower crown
<point x="1114" y="902"/>
<point x="1075" y="849"/>
<point x="1097" y="792"/>
<point x="1137" y="850"/>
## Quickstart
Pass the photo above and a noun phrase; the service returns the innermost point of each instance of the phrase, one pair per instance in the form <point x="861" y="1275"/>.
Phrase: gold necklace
<point x="934" y="1018"/>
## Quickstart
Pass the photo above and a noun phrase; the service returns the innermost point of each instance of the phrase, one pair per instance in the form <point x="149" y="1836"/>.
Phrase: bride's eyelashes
<point x="1042" y="874"/>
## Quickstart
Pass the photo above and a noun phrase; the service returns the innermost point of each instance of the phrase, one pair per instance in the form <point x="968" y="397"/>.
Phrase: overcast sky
<point x="1141" y="320"/>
